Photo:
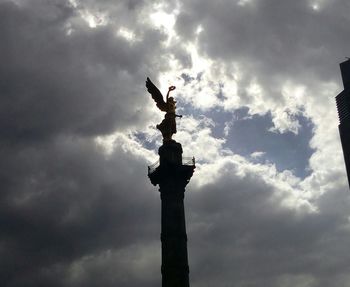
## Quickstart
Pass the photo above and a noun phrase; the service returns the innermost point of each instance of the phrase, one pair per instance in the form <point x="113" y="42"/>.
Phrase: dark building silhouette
<point x="172" y="173"/>
<point x="343" y="106"/>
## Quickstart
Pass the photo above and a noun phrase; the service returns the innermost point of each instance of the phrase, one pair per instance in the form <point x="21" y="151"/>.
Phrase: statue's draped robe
<point x="168" y="125"/>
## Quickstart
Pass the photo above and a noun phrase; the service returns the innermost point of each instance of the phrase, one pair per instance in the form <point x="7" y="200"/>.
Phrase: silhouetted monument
<point x="172" y="173"/>
<point x="343" y="106"/>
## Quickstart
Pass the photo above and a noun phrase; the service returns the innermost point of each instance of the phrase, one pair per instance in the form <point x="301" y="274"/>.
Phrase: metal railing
<point x="189" y="161"/>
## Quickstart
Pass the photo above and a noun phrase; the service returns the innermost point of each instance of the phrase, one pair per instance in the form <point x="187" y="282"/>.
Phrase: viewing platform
<point x="188" y="161"/>
<point x="171" y="164"/>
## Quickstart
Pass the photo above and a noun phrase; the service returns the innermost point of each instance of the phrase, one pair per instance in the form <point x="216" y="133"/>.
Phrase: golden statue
<point x="168" y="125"/>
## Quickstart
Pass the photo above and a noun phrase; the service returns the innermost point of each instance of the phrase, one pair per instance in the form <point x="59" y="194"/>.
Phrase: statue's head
<point x="171" y="100"/>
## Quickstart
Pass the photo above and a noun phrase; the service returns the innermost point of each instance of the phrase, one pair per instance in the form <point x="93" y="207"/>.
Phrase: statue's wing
<point x="156" y="95"/>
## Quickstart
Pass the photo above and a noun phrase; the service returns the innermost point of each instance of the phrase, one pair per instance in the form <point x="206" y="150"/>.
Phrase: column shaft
<point x="174" y="239"/>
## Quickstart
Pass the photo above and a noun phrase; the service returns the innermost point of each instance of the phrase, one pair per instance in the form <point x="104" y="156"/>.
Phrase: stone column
<point x="172" y="177"/>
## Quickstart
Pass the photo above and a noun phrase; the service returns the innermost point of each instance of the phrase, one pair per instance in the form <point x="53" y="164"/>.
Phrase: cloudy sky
<point x="268" y="204"/>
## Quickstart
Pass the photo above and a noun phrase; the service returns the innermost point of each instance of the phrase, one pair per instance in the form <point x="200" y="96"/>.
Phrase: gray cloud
<point x="83" y="83"/>
<point x="288" y="39"/>
<point x="67" y="202"/>
<point x="239" y="234"/>
<point x="62" y="199"/>
<point x="72" y="215"/>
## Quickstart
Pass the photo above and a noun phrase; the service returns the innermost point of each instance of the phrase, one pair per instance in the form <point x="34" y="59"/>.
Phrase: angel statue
<point x="168" y="125"/>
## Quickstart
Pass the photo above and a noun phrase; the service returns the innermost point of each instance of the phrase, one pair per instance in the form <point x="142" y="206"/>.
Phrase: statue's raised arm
<point x="168" y="125"/>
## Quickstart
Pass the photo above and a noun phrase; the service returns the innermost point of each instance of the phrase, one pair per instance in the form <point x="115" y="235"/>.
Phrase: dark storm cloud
<point x="62" y="199"/>
<point x="67" y="201"/>
<point x="257" y="241"/>
<point x="82" y="83"/>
